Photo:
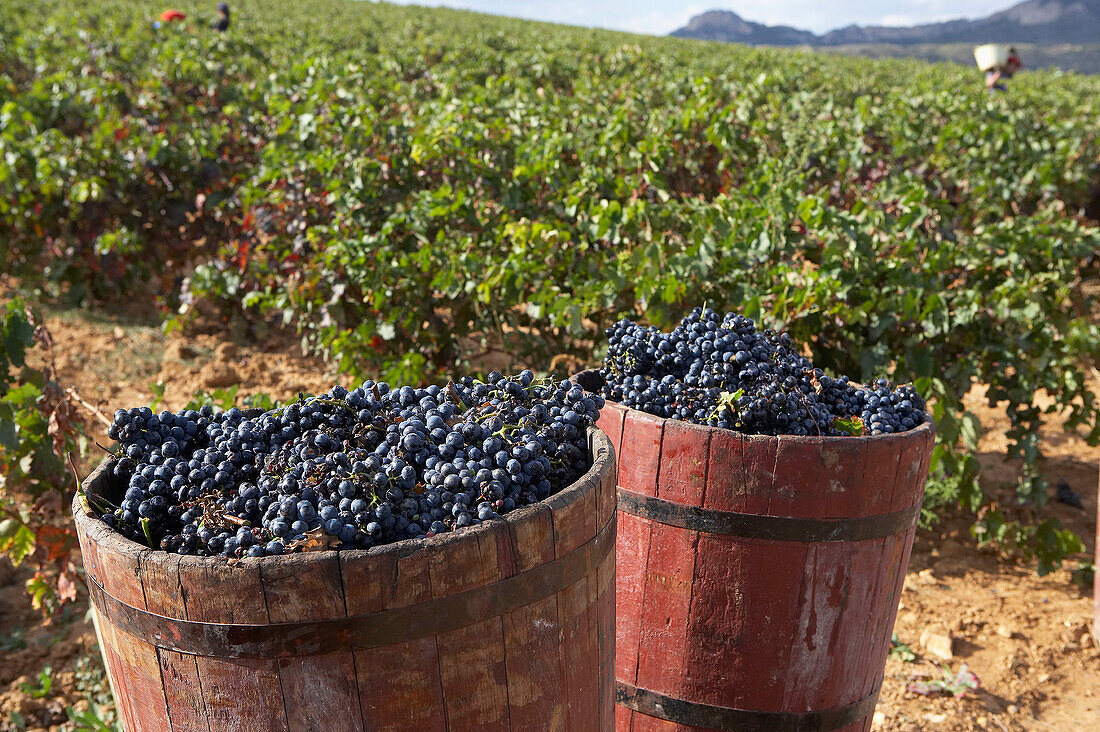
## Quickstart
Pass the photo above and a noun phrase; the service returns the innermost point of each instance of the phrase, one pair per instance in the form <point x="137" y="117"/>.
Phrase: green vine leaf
<point x="852" y="425"/>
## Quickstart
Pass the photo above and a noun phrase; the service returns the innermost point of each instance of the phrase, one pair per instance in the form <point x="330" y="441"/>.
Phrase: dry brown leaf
<point x="316" y="541"/>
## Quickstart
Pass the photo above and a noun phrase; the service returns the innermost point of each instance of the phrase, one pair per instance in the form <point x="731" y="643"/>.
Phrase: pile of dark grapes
<point x="347" y="469"/>
<point x="721" y="370"/>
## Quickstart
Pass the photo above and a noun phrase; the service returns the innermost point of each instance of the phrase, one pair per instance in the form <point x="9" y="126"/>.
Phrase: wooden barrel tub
<point x="758" y="577"/>
<point x="1095" y="584"/>
<point x="507" y="625"/>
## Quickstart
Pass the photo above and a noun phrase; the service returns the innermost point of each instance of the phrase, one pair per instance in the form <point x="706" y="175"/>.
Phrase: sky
<point x="659" y="17"/>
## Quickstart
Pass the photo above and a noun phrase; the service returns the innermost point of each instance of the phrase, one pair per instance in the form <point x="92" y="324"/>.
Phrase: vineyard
<point x="416" y="193"/>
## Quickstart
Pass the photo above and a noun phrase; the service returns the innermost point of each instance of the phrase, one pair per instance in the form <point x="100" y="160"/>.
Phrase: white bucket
<point x="991" y="56"/>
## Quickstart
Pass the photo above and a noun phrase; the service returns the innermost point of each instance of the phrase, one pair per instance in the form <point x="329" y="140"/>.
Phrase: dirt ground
<point x="1028" y="639"/>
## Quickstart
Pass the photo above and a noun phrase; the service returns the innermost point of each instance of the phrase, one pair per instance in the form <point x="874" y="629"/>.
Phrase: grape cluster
<point x="721" y="370"/>
<point x="347" y="469"/>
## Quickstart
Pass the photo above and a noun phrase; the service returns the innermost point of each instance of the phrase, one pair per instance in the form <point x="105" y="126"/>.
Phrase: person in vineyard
<point x="169" y="16"/>
<point x="221" y="24"/>
<point x="994" y="78"/>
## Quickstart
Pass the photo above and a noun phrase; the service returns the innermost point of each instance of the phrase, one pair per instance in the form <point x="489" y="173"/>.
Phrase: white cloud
<point x="661" y="22"/>
<point x="896" y="20"/>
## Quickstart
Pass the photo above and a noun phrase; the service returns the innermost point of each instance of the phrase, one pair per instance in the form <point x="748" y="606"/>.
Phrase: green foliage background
<point x="412" y="188"/>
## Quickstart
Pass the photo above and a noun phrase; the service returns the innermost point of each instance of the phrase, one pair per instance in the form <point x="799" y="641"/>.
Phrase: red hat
<point x="169" y="15"/>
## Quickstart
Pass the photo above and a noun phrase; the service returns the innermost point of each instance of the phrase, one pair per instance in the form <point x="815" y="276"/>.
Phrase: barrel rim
<point x="103" y="536"/>
<point x="924" y="429"/>
<point x="363" y="631"/>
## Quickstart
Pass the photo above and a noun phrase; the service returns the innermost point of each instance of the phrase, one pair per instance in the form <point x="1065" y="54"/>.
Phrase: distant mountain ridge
<point x="1032" y="21"/>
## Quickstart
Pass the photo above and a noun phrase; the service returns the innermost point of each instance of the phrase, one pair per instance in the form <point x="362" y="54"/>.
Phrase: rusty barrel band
<point x="359" y="632"/>
<point x="774" y="528"/>
<point x="681" y="711"/>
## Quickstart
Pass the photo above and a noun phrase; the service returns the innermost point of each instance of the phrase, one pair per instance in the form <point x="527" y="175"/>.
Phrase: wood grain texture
<point x="759" y="624"/>
<point x="606" y="498"/>
<point x="91" y="567"/>
<point x="394" y="696"/>
<point x="532" y="636"/>
<point x="611" y="422"/>
<point x="606" y="501"/>
<point x="664" y="652"/>
<point x="632" y="556"/>
<point x="637" y="469"/>
<point x="726" y="470"/>
<point x="473" y="671"/>
<point x="132" y="664"/>
<point x="309" y="587"/>
<point x="579" y="653"/>
<point x="605" y="636"/>
<point x="472" y="660"/>
<point x="239" y="694"/>
<point x="547" y="664"/>
<point x="577" y="607"/>
<point x="160" y="577"/>
<point x="641" y="452"/>
<point x="574" y="518"/>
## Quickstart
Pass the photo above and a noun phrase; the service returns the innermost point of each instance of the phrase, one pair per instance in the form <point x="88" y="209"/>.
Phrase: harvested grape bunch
<point x="347" y="469"/>
<point x="721" y="370"/>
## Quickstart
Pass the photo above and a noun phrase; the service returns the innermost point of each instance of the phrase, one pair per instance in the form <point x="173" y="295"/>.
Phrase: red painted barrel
<point x="507" y="625"/>
<point x="758" y="576"/>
